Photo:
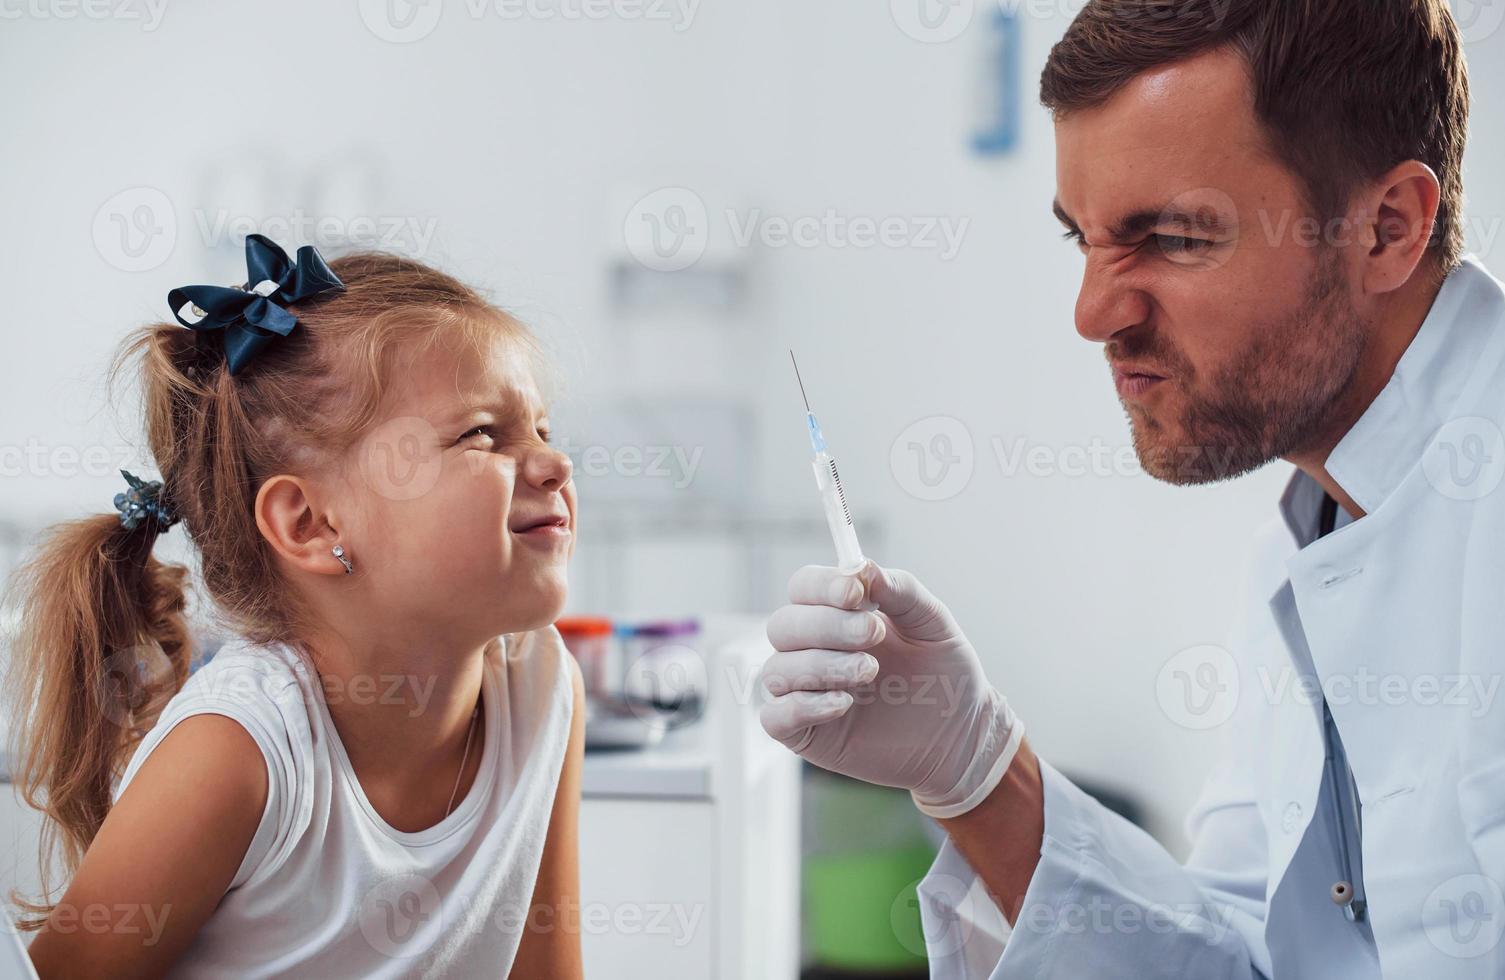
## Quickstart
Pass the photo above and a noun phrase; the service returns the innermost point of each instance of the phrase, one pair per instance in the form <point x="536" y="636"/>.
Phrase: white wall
<point x="520" y="140"/>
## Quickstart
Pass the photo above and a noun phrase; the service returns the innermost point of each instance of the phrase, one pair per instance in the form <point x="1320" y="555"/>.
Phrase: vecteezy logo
<point x="1478" y="19"/>
<point x="1198" y="688"/>
<point x="667" y="230"/>
<point x="946" y="916"/>
<point x="400" y="458"/>
<point x="1202" y="219"/>
<point x="1466" y="460"/>
<point x="932" y="21"/>
<point x="131" y="679"/>
<point x="1465" y="916"/>
<point x="666" y="681"/>
<point x="933" y="458"/>
<point x="136" y="230"/>
<point x="401" y="21"/>
<point x="396" y="910"/>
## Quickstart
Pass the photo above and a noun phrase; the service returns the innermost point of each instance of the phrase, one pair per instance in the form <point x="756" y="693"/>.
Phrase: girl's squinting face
<point x="472" y="523"/>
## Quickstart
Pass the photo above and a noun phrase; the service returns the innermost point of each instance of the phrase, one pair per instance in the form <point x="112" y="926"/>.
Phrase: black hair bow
<point x="254" y="315"/>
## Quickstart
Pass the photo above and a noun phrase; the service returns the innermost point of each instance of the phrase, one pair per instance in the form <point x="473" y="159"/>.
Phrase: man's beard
<point x="1275" y="398"/>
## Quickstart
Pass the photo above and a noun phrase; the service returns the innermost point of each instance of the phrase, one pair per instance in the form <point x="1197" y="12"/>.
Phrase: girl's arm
<point x="163" y="857"/>
<point x="550" y="946"/>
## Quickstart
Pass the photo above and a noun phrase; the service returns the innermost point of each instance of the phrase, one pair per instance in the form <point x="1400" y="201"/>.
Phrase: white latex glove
<point x="894" y="696"/>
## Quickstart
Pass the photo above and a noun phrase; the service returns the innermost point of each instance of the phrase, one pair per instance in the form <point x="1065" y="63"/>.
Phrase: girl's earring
<point x="339" y="552"/>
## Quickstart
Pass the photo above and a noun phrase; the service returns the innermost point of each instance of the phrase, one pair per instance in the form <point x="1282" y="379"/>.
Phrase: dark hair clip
<point x="142" y="502"/>
<point x="255" y="314"/>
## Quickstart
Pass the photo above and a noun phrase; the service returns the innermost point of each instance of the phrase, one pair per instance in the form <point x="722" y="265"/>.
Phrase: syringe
<point x="838" y="516"/>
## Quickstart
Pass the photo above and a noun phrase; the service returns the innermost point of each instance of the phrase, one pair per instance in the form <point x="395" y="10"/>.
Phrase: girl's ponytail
<point x="101" y="645"/>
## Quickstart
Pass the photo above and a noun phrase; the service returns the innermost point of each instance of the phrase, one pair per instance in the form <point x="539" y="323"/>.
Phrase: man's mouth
<point x="1135" y="382"/>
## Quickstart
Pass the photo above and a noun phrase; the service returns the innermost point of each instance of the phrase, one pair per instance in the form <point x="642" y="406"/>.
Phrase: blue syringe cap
<point x="817" y="441"/>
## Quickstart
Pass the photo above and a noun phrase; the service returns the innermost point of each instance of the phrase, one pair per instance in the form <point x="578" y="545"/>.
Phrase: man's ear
<point x="295" y="526"/>
<point x="1399" y="219"/>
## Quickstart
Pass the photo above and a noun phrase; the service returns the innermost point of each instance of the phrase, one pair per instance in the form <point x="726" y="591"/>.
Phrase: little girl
<point x="378" y="776"/>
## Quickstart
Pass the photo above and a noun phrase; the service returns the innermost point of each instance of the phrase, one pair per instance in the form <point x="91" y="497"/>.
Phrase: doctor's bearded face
<point x="1229" y="325"/>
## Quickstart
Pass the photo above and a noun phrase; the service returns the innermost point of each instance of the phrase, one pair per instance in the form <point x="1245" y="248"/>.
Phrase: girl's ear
<point x="296" y="527"/>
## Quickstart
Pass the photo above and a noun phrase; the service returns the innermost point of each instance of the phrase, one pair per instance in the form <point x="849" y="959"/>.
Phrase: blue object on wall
<point x="1000" y="133"/>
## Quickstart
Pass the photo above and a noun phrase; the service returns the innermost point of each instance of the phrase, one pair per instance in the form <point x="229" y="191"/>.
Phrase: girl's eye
<point x="485" y="430"/>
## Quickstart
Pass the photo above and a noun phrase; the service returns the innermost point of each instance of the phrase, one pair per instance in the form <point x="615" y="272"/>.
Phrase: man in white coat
<point x="1268" y="197"/>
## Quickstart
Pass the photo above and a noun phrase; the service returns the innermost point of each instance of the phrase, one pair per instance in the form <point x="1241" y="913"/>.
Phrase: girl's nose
<point x="548" y="468"/>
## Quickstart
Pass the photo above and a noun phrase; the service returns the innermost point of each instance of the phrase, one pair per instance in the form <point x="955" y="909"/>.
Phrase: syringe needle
<point x="828" y="482"/>
<point x="799" y="379"/>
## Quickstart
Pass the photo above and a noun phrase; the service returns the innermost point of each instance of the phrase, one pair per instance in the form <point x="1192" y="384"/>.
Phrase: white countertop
<point x="678" y="767"/>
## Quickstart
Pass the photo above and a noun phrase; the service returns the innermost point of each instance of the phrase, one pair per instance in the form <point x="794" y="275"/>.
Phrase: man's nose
<point x="1108" y="302"/>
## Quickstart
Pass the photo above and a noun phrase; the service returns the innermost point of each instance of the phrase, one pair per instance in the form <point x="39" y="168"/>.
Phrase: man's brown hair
<point x="1345" y="89"/>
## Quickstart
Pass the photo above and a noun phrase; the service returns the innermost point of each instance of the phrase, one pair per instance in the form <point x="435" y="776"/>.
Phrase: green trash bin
<point x="865" y="851"/>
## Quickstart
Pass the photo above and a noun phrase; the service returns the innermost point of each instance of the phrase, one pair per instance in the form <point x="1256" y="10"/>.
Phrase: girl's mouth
<point x="548" y="528"/>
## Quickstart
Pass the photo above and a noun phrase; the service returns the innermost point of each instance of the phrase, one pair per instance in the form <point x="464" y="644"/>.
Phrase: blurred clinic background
<point x="672" y="194"/>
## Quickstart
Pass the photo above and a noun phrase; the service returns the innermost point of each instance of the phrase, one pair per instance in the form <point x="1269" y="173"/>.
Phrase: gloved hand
<point x="894" y="696"/>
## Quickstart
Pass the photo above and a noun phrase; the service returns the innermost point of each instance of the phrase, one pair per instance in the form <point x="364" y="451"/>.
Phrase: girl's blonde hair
<point x="102" y="642"/>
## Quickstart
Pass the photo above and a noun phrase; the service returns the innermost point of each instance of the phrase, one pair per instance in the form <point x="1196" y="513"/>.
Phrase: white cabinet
<point x="708" y="822"/>
<point x="647" y="888"/>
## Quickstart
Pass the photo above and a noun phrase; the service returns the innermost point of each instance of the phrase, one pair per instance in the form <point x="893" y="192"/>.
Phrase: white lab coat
<point x="1401" y="617"/>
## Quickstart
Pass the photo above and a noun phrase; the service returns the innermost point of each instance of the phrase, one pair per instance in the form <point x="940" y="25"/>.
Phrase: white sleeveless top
<point x="328" y="888"/>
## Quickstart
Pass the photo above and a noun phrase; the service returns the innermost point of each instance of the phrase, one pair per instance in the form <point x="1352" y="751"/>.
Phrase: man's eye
<point x="1076" y="238"/>
<point x="1181" y="245"/>
<point x="544" y="434"/>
